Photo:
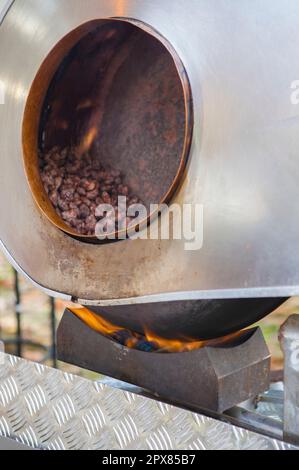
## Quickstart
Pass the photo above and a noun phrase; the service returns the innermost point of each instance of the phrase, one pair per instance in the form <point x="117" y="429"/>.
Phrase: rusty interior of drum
<point x="121" y="94"/>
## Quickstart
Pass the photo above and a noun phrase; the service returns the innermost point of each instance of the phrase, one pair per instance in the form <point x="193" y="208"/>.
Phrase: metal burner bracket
<point x="211" y="378"/>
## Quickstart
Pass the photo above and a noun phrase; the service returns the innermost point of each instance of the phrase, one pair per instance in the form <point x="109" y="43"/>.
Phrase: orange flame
<point x="100" y="325"/>
<point x="173" y="345"/>
<point x="86" y="104"/>
<point x="87" y="140"/>
<point x="95" y="322"/>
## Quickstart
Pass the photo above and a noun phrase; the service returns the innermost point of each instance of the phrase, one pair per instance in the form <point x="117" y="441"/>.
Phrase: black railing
<point x="19" y="341"/>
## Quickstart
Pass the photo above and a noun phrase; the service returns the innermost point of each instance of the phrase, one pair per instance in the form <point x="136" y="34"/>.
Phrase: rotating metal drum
<point x="234" y="150"/>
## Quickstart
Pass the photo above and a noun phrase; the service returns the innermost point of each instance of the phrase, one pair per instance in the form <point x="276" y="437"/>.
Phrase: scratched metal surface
<point x="48" y="409"/>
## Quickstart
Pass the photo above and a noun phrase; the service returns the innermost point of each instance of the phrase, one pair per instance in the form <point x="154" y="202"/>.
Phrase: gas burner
<point x="204" y="378"/>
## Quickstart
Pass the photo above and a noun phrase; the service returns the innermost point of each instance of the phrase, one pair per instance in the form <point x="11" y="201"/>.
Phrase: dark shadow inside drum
<point x="121" y="95"/>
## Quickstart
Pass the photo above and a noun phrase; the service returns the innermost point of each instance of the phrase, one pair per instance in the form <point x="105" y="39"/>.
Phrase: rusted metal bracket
<point x="289" y="340"/>
<point x="211" y="378"/>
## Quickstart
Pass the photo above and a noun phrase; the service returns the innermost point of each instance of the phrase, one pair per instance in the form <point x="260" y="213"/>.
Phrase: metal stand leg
<point x="289" y="339"/>
<point x="19" y="341"/>
<point x="53" y="332"/>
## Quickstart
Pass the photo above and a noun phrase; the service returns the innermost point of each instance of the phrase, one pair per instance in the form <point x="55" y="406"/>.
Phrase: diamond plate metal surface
<point x="48" y="409"/>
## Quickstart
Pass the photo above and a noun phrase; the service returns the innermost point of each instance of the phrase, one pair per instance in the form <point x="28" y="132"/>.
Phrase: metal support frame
<point x="212" y="378"/>
<point x="19" y="342"/>
<point x="289" y="339"/>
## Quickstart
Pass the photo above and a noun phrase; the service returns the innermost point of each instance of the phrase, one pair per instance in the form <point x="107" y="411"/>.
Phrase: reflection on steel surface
<point x="2" y="93"/>
<point x="48" y="409"/>
<point x="4" y="7"/>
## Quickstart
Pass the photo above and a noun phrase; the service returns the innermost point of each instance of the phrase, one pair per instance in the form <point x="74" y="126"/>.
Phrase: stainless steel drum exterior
<point x="241" y="58"/>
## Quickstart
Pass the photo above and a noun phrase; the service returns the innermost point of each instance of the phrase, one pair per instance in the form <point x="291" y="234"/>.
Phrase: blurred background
<point x="28" y="320"/>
